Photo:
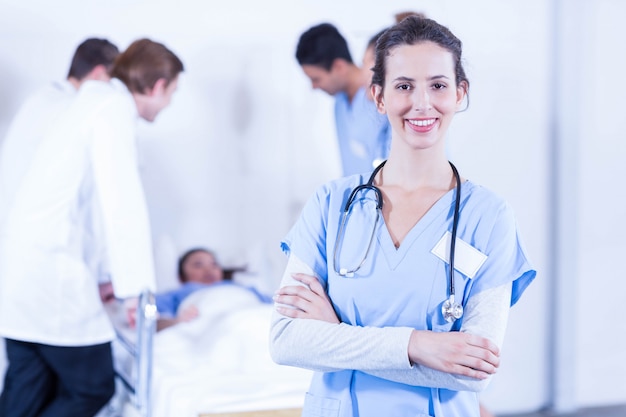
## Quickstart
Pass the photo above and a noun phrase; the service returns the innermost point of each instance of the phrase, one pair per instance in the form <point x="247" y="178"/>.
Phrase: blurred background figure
<point x="198" y="269"/>
<point x="81" y="192"/>
<point x="92" y="60"/>
<point x="362" y="132"/>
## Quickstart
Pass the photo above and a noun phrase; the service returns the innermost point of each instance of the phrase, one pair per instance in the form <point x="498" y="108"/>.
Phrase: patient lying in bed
<point x="198" y="269"/>
<point x="216" y="358"/>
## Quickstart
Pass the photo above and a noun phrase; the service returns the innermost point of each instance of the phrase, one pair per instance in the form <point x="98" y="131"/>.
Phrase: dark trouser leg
<point x="86" y="380"/>
<point x="28" y="382"/>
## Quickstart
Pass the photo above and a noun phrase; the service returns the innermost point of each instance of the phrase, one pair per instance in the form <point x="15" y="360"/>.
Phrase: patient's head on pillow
<point x="199" y="265"/>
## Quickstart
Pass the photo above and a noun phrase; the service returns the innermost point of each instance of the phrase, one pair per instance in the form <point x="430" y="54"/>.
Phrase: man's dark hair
<point x="91" y="53"/>
<point x="321" y="45"/>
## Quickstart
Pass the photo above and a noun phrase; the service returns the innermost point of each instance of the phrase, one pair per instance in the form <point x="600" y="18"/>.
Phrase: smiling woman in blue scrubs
<point x="362" y="301"/>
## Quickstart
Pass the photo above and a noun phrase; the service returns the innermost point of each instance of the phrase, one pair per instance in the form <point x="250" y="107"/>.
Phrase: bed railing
<point x="138" y="384"/>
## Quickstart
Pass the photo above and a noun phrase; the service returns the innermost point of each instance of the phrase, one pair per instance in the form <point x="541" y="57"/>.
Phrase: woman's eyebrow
<point x="403" y="78"/>
<point x="434" y="77"/>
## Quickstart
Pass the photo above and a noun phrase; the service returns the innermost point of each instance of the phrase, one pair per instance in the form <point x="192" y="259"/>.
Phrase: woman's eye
<point x="403" y="87"/>
<point x="438" y="86"/>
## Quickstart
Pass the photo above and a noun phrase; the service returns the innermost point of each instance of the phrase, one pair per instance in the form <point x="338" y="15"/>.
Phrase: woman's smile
<point x="422" y="125"/>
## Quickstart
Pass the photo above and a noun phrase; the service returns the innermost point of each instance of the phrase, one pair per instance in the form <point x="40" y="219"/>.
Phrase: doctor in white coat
<point x="92" y="60"/>
<point x="82" y="188"/>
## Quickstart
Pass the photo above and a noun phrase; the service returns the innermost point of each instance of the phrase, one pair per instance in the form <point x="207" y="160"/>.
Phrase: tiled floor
<point x="614" y="411"/>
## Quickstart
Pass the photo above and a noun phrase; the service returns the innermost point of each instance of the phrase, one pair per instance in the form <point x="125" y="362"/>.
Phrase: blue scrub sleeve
<point x="307" y="237"/>
<point x="166" y="304"/>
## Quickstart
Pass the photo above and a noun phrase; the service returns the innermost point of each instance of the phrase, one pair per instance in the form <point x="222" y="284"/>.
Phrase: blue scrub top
<point x="363" y="133"/>
<point x="401" y="287"/>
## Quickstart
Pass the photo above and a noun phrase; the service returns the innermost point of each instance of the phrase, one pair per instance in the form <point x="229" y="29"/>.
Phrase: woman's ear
<point x="461" y="94"/>
<point x="377" y="94"/>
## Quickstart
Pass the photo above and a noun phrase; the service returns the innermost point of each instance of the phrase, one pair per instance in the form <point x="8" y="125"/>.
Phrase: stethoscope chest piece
<point x="451" y="310"/>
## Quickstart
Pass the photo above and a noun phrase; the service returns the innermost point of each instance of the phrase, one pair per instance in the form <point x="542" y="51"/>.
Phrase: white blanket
<point x="220" y="361"/>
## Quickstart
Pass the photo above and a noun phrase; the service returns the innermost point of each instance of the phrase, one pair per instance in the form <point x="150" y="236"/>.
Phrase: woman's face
<point x="420" y="95"/>
<point x="202" y="267"/>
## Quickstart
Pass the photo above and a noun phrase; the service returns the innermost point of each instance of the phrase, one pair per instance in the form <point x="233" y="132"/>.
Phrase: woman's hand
<point x="308" y="301"/>
<point x="184" y="315"/>
<point x="455" y="352"/>
<point x="187" y="314"/>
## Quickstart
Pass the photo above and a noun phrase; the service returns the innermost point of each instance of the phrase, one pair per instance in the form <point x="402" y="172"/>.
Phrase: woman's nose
<point x="421" y="100"/>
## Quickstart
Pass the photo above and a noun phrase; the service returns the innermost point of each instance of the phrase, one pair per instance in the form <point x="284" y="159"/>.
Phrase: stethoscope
<point x="450" y="309"/>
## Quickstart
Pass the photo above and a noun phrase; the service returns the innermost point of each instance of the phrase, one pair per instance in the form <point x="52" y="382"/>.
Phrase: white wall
<point x="601" y="335"/>
<point x="246" y="141"/>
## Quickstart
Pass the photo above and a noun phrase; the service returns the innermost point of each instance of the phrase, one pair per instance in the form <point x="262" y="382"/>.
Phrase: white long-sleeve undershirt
<point x="382" y="352"/>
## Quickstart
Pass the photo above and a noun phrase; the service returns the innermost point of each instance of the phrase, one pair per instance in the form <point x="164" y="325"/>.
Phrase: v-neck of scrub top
<point x="395" y="255"/>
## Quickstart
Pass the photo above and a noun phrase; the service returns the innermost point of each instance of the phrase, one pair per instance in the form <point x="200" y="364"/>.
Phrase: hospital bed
<point x="217" y="365"/>
<point x="137" y="346"/>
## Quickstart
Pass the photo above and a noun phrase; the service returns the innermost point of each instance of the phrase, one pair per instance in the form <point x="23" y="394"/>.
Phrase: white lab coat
<point x="82" y="188"/>
<point x="25" y="134"/>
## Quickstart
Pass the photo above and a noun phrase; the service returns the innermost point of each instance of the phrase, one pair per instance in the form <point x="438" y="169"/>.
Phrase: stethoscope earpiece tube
<point x="345" y="272"/>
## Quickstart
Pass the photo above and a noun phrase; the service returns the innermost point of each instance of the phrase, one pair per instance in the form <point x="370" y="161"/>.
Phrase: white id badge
<point x="467" y="259"/>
